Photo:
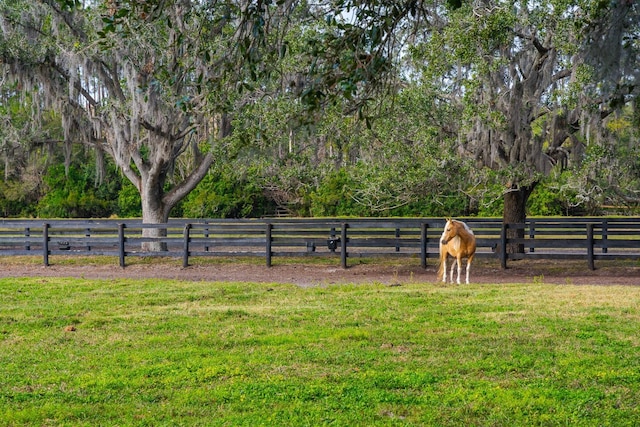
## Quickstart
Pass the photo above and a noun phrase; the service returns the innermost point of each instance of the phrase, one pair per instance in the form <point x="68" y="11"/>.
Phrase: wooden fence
<point x="590" y="239"/>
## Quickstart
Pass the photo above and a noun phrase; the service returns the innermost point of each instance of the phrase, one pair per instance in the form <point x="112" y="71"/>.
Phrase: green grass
<point x="161" y="352"/>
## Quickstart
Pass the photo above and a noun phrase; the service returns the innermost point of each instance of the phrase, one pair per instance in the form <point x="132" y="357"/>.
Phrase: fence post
<point x="532" y="233"/>
<point x="267" y="249"/>
<point x="206" y="236"/>
<point x="423" y="244"/>
<point x="185" y="246"/>
<point x="87" y="234"/>
<point x="605" y="234"/>
<point x="397" y="239"/>
<point x="27" y="234"/>
<point x="45" y="243"/>
<point x="121" y="243"/>
<point x="503" y="246"/>
<point x="343" y="245"/>
<point x="590" y="246"/>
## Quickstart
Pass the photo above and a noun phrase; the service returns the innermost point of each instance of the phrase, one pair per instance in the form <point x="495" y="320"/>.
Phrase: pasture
<point x="149" y="352"/>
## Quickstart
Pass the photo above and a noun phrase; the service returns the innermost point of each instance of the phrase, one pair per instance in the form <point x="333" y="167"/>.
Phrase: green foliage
<point x="223" y="193"/>
<point x="17" y="199"/>
<point x="334" y="196"/>
<point x="294" y="93"/>
<point x="490" y="201"/>
<point x="129" y="202"/>
<point x="545" y="202"/>
<point x="440" y="205"/>
<point x="550" y="197"/>
<point x="338" y="193"/>
<point x="162" y="352"/>
<point x="558" y="194"/>
<point x="74" y="194"/>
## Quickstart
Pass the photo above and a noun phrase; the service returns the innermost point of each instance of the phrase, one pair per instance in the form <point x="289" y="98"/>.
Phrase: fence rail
<point x="590" y="239"/>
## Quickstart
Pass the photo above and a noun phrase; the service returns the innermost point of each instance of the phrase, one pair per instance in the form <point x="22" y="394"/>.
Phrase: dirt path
<point x="304" y="274"/>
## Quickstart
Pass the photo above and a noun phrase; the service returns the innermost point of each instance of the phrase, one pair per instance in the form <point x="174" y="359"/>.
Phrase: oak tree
<point x="150" y="83"/>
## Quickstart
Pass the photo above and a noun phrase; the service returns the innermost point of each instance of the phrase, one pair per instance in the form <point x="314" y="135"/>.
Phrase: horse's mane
<point x="466" y="227"/>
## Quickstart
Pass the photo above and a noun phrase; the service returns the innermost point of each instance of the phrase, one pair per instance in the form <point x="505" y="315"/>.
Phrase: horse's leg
<point x="443" y="261"/>
<point x="468" y="267"/>
<point x="459" y="263"/>
<point x="453" y="265"/>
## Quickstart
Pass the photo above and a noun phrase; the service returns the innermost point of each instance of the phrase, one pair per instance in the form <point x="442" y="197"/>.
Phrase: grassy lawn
<point x="150" y="352"/>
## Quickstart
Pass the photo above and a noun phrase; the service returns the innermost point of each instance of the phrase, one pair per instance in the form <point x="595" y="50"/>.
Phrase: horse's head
<point x="450" y="231"/>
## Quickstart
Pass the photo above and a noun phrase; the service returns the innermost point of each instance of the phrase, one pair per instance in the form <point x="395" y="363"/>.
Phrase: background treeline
<point x="335" y="167"/>
<point x="235" y="108"/>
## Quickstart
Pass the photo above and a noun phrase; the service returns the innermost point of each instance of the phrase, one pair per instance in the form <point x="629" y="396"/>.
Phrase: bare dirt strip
<point x="386" y="272"/>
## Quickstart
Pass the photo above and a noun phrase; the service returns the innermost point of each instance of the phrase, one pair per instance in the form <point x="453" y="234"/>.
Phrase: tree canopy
<point x="339" y="107"/>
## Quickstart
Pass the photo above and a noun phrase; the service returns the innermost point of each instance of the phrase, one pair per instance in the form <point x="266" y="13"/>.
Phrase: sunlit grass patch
<point x="153" y="352"/>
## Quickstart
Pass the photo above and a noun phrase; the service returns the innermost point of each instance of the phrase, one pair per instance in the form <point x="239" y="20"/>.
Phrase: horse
<point x="458" y="241"/>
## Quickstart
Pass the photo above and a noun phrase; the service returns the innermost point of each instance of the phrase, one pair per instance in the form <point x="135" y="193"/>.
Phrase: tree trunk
<point x="515" y="204"/>
<point x="154" y="211"/>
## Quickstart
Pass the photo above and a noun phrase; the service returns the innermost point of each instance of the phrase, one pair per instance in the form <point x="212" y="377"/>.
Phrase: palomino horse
<point x="458" y="241"/>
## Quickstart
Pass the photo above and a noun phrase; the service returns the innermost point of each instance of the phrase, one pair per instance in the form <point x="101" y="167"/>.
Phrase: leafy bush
<point x="338" y="194"/>
<point x="18" y="199"/>
<point x="334" y="197"/>
<point x="544" y="201"/>
<point x="129" y="203"/>
<point x="224" y="194"/>
<point x="74" y="195"/>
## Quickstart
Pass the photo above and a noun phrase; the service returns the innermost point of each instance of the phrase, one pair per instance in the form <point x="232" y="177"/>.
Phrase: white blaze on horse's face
<point x="444" y="239"/>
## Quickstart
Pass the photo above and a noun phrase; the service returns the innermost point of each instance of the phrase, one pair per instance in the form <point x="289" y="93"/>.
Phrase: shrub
<point x="224" y="194"/>
<point x="74" y="195"/>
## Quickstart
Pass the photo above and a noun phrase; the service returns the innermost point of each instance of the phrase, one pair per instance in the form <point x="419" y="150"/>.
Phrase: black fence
<point x="590" y="239"/>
